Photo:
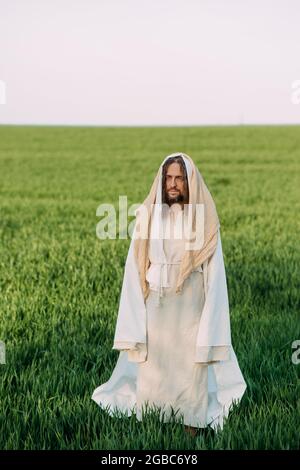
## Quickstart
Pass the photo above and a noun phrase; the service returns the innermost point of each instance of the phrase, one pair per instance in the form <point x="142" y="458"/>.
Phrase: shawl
<point x="149" y="214"/>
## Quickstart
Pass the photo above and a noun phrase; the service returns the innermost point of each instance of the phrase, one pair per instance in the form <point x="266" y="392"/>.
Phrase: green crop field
<point x="60" y="284"/>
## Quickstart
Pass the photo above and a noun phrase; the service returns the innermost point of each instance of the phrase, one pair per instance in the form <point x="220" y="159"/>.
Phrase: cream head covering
<point x="148" y="224"/>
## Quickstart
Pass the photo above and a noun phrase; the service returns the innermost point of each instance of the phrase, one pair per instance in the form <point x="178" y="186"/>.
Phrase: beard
<point x="172" y="200"/>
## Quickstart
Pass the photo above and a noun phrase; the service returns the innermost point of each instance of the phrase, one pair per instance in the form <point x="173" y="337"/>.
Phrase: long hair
<point x="177" y="159"/>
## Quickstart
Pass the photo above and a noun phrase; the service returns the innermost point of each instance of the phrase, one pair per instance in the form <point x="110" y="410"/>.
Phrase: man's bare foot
<point x="191" y="430"/>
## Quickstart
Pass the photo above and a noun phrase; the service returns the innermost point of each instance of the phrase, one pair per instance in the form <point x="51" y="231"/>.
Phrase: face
<point x="175" y="188"/>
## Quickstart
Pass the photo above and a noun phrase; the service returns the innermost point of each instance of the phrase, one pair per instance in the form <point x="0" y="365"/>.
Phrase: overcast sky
<point x="149" y="62"/>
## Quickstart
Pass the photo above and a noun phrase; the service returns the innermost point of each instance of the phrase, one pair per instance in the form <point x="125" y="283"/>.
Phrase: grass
<point x="60" y="284"/>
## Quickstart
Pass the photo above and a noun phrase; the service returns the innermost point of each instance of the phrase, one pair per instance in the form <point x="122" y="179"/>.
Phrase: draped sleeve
<point x="130" y="331"/>
<point x="213" y="342"/>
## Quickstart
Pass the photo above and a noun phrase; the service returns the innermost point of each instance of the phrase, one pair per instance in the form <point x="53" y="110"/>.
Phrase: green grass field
<point x="60" y="284"/>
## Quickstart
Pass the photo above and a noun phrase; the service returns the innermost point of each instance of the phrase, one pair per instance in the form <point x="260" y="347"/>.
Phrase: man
<point x="173" y="325"/>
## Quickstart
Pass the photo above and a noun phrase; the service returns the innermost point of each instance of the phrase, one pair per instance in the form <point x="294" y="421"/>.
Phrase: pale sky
<point x="149" y="62"/>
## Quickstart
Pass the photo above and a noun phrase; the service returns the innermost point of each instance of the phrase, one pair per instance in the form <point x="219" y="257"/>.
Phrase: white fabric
<point x="170" y="378"/>
<point x="158" y="272"/>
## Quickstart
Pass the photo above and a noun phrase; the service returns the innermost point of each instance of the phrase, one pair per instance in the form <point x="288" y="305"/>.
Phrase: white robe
<point x="170" y="378"/>
<point x="212" y="351"/>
